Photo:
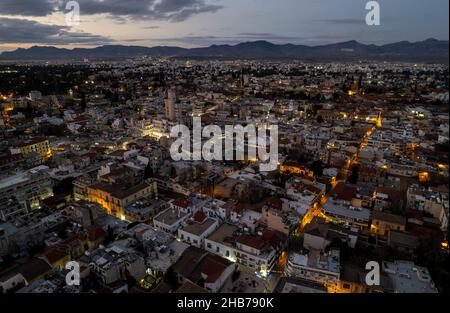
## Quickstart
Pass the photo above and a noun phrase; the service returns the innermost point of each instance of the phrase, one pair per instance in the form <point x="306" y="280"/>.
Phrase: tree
<point x="131" y="281"/>
<point x="109" y="235"/>
<point x="64" y="187"/>
<point x="148" y="172"/>
<point x="353" y="179"/>
<point x="235" y="275"/>
<point x="295" y="243"/>
<point x="317" y="168"/>
<point x="171" y="278"/>
<point x="430" y="255"/>
<point x="83" y="102"/>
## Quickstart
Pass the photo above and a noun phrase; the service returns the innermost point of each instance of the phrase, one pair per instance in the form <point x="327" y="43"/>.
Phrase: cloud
<point x="197" y="41"/>
<point x="346" y="21"/>
<point x="170" y="10"/>
<point x="27" y="31"/>
<point x="27" y="7"/>
<point x="151" y="27"/>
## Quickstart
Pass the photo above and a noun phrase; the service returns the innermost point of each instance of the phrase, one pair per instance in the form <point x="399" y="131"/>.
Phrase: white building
<point x="407" y="277"/>
<point x="316" y="266"/>
<point x="252" y="251"/>
<point x="197" y="229"/>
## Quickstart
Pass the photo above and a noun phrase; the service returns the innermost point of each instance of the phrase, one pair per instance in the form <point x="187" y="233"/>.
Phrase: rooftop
<point x="170" y="216"/>
<point x="342" y="211"/>
<point x="198" y="228"/>
<point x="409" y="278"/>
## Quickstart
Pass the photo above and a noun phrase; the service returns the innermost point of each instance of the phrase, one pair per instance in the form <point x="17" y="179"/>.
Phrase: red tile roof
<point x="344" y="192"/>
<point x="182" y="203"/>
<point x="200" y="217"/>
<point x="392" y="193"/>
<point x="213" y="267"/>
<point x="252" y="241"/>
<point x="274" y="203"/>
<point x="55" y="254"/>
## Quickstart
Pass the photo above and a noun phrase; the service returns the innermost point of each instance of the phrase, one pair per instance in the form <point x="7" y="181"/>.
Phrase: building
<point x="28" y="231"/>
<point x="169" y="104"/>
<point x="36" y="145"/>
<point x="253" y="251"/>
<point x="430" y="201"/>
<point x="143" y="211"/>
<point x="116" y="197"/>
<point x="316" y="265"/>
<point x="171" y="219"/>
<point x="353" y="280"/>
<point x="85" y="213"/>
<point x="197" y="229"/>
<point x="407" y="277"/>
<point x="274" y="217"/>
<point x="80" y="186"/>
<point x="215" y="271"/>
<point x="113" y="264"/>
<point x="388" y="198"/>
<point x="383" y="223"/>
<point x="347" y="215"/>
<point x="298" y="285"/>
<point x="35" y="95"/>
<point x="203" y="269"/>
<point x="20" y="275"/>
<point x="11" y="208"/>
<point x="29" y="187"/>
<point x="319" y="235"/>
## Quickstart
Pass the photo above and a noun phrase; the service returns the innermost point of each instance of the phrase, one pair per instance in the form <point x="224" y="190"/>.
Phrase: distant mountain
<point x="430" y="50"/>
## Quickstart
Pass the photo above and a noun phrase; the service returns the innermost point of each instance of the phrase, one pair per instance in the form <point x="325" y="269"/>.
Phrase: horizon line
<point x="56" y="46"/>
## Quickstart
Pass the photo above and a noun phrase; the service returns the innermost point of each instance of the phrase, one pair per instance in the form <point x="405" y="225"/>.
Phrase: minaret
<point x="170" y="104"/>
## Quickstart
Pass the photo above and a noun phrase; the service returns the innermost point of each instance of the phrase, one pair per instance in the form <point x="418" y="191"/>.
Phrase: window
<point x="346" y="286"/>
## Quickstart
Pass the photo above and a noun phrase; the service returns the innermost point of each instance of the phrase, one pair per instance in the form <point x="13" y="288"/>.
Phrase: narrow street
<point x="317" y="209"/>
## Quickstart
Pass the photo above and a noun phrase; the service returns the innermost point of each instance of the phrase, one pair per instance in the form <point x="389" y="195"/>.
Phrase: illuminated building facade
<point x="115" y="198"/>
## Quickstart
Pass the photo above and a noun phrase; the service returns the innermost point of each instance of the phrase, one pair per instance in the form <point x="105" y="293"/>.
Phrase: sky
<point x="196" y="23"/>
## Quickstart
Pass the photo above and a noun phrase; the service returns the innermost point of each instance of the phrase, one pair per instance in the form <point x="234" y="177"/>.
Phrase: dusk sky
<point x="192" y="23"/>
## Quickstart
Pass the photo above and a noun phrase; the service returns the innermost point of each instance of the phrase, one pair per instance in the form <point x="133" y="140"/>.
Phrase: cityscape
<point x="347" y="192"/>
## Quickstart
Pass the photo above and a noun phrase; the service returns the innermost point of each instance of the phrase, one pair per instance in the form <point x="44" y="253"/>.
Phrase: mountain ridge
<point x="429" y="50"/>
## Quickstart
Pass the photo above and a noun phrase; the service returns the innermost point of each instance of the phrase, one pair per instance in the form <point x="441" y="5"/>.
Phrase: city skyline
<point x="198" y="23"/>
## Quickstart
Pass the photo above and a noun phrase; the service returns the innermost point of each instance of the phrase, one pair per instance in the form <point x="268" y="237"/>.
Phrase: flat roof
<point x="199" y="228"/>
<point x="170" y="216"/>
<point x="21" y="177"/>
<point x="223" y="232"/>
<point x="145" y="206"/>
<point x="361" y="214"/>
<point x="407" y="277"/>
